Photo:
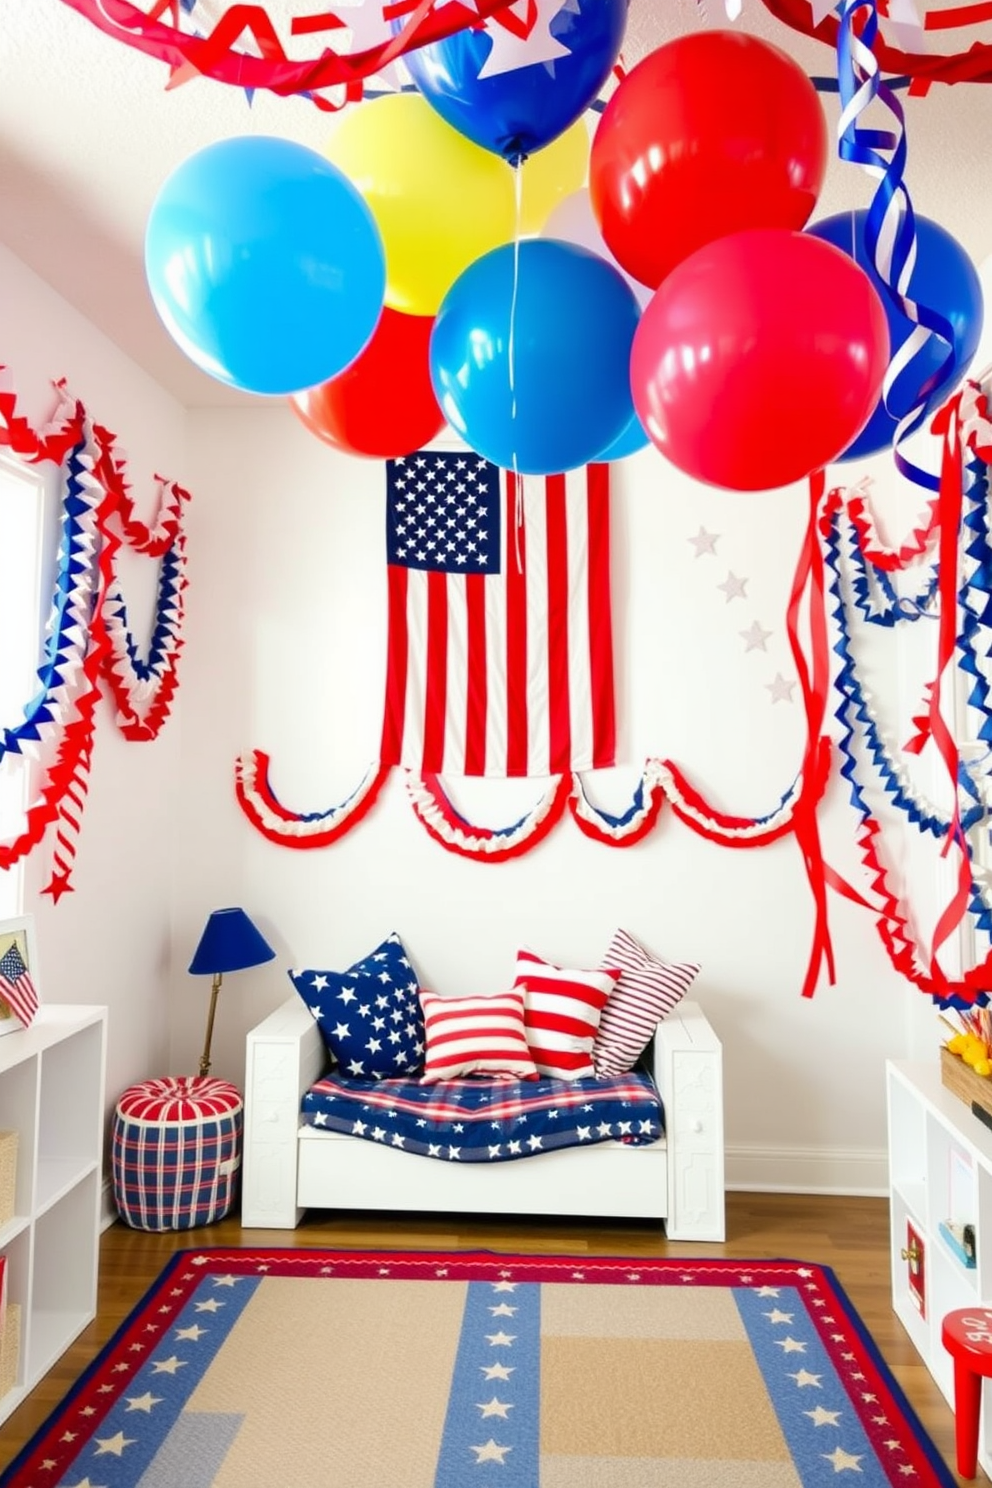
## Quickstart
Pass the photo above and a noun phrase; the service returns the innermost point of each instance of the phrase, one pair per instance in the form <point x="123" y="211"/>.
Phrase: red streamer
<point x="213" y="55"/>
<point x="972" y="66"/>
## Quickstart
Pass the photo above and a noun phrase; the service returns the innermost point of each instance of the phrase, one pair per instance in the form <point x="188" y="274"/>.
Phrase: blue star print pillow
<point x="369" y="1016"/>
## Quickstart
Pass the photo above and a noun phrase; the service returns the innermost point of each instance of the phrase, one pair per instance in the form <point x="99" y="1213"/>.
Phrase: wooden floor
<point x="849" y="1235"/>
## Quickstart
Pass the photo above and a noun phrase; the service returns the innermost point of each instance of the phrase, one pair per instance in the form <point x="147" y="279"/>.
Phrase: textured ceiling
<point x="88" y="134"/>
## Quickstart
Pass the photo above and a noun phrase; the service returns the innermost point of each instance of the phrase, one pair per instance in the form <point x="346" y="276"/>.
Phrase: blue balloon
<point x="265" y="264"/>
<point x="514" y="113"/>
<point x="530" y="355"/>
<point x="943" y="279"/>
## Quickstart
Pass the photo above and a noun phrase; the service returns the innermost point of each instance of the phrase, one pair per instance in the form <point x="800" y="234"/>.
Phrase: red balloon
<point x="713" y="133"/>
<point x="760" y="359"/>
<point x="383" y="404"/>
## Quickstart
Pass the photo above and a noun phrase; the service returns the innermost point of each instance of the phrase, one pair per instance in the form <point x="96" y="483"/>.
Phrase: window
<point x="24" y="546"/>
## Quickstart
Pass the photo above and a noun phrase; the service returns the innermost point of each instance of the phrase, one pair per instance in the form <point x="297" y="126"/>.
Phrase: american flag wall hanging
<point x="500" y="646"/>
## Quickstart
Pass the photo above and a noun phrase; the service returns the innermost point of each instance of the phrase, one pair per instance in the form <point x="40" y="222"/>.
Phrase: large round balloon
<point x="943" y="279"/>
<point x="383" y="405"/>
<point x="549" y="176"/>
<point x="712" y="133"/>
<point x="514" y="94"/>
<point x="440" y="201"/>
<point x="573" y="221"/>
<point x="530" y="356"/>
<point x="265" y="264"/>
<point x="759" y="359"/>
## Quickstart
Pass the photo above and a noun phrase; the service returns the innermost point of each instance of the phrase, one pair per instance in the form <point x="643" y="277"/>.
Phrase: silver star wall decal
<point x="705" y="542"/>
<point x="780" y="689"/>
<point x="733" y="587"/>
<point x="755" y="637"/>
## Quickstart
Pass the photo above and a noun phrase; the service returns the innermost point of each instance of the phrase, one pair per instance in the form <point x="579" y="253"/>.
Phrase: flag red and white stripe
<point x="506" y="671"/>
<point x="16" y="987"/>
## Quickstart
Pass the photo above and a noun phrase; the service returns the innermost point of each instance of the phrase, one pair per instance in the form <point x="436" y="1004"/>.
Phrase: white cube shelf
<point x="52" y="1094"/>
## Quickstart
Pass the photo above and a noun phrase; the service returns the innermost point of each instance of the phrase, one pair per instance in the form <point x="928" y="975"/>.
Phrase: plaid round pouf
<point x="176" y="1152"/>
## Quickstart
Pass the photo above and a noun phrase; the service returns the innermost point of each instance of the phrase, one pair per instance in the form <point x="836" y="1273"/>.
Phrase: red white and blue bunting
<point x="89" y="641"/>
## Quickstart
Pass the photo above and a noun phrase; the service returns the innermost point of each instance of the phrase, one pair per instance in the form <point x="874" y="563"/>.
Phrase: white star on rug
<point x="497" y="1371"/>
<point x="168" y="1366"/>
<point x="780" y="689"/>
<point x="704" y="542"/>
<point x="733" y="587"/>
<point x="143" y="1402"/>
<point x="491" y="1452"/>
<point x="755" y="637"/>
<point x="843" y="1461"/>
<point x="791" y="1345"/>
<point x="503" y="1310"/>
<point x="804" y="1378"/>
<point x="495" y="1339"/>
<point x="822" y="1417"/>
<point x="193" y="1333"/>
<point x="114" y="1444"/>
<point x="779" y="1317"/>
<point x="494" y="1407"/>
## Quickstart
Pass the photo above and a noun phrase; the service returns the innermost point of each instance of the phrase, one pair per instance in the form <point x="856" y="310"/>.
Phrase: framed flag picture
<point x="18" y="974"/>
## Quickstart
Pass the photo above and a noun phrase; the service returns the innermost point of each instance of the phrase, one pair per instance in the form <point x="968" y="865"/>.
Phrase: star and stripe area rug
<point x="362" y="1369"/>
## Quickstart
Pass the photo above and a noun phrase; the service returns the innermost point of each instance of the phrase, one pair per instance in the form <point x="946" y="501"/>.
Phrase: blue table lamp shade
<point x="230" y="942"/>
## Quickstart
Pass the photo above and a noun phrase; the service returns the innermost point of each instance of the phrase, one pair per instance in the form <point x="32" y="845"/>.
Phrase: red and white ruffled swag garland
<point x="89" y="643"/>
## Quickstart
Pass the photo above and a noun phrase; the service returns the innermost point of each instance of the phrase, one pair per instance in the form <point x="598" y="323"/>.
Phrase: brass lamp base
<point x="205" y="1056"/>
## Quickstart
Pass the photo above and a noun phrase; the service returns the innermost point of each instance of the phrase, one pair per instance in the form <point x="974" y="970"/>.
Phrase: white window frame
<point x="29" y="537"/>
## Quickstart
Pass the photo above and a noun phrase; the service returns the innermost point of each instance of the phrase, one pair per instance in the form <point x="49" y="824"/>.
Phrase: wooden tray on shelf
<point x="962" y="1080"/>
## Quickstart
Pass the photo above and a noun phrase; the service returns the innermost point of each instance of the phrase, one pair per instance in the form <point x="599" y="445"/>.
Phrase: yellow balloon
<point x="551" y="174"/>
<point x="440" y="201"/>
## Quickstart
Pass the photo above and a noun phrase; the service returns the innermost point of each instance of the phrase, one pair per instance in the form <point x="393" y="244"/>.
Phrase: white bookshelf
<point x="52" y="1093"/>
<point x="940" y="1169"/>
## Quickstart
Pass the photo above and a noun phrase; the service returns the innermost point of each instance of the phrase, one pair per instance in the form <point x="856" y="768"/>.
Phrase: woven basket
<point x="10" y="1348"/>
<point x="962" y="1080"/>
<point x="8" y="1175"/>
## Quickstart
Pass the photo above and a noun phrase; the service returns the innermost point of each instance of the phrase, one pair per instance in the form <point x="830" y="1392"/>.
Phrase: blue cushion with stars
<point x="369" y="1016"/>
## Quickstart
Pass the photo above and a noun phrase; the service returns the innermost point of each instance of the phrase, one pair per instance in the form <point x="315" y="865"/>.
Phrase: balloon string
<point x="518" y="512"/>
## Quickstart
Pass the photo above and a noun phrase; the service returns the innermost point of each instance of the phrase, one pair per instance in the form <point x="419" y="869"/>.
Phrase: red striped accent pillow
<point x="561" y="1013"/>
<point x="475" y="1036"/>
<point x="647" y="991"/>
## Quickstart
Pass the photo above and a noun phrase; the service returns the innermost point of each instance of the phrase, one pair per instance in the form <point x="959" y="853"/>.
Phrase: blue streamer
<point x="890" y="227"/>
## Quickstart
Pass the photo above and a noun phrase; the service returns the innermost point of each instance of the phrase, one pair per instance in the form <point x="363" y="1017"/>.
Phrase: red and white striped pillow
<point x="647" y="991"/>
<point x="561" y="1013"/>
<point x="475" y="1036"/>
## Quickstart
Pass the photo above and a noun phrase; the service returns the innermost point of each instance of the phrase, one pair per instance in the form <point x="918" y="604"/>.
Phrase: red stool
<point x="967" y="1337"/>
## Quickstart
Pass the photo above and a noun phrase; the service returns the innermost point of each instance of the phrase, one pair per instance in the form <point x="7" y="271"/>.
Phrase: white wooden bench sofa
<point x="290" y="1167"/>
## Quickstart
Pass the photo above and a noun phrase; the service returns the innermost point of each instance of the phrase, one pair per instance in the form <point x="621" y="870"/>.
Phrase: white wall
<point x="109" y="941"/>
<point x="286" y="654"/>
